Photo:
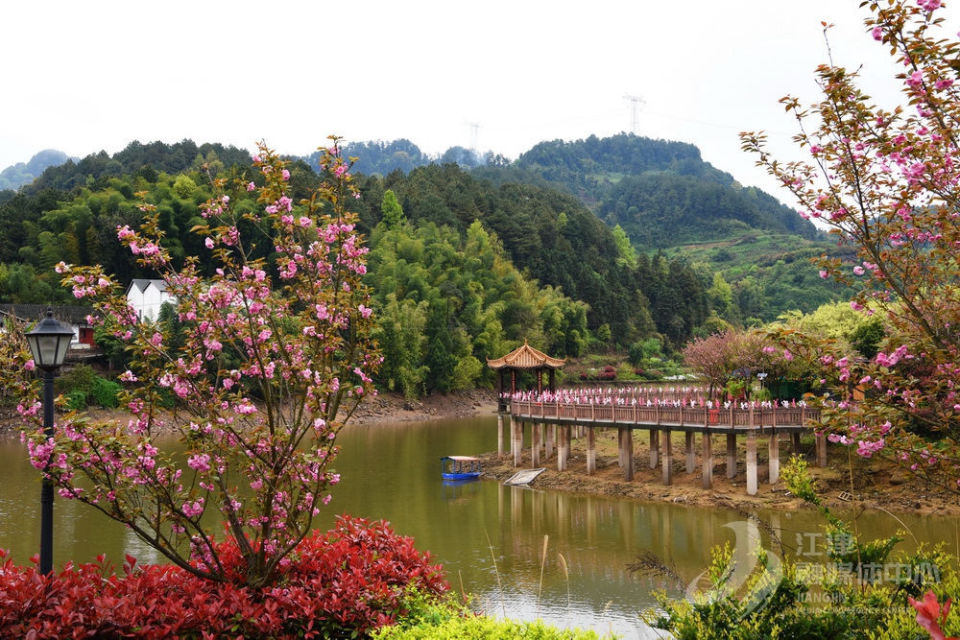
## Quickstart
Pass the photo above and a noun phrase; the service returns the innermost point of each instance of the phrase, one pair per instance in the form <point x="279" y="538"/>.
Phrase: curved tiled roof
<point x="526" y="357"/>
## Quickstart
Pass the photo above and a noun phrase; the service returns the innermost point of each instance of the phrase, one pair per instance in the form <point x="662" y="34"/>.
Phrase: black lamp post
<point x="48" y="341"/>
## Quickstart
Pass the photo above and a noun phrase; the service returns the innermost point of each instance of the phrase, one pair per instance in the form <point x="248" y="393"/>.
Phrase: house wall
<point x="147" y="305"/>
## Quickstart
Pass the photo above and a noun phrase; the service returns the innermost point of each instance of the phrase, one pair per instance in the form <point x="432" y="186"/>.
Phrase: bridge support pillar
<point x="795" y="438"/>
<point x="691" y="451"/>
<point x="666" y="459"/>
<point x="752" y="463"/>
<point x="774" y="458"/>
<point x="591" y="450"/>
<point x="516" y="440"/>
<point x="499" y="434"/>
<point x="626" y="452"/>
<point x="534" y="445"/>
<point x="563" y="448"/>
<point x="707" y="461"/>
<point x="821" y="448"/>
<point x="654" y="448"/>
<point x="548" y="440"/>
<point x="621" y="460"/>
<point x="731" y="455"/>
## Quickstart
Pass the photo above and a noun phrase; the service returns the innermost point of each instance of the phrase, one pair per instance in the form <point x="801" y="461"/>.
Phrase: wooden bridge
<point x="660" y="419"/>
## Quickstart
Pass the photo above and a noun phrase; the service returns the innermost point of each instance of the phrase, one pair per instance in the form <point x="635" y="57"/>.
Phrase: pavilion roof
<point x="526" y="357"/>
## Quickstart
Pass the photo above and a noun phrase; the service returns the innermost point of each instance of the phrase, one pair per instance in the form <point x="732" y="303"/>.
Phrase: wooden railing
<point x="668" y="416"/>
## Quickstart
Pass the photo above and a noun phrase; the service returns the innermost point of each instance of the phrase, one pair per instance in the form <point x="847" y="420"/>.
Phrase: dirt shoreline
<point x="876" y="484"/>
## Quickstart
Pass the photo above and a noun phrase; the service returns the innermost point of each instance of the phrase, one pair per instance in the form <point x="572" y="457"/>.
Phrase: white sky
<point x="85" y="76"/>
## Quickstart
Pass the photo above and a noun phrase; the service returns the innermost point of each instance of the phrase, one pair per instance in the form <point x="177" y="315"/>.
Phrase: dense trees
<point x="556" y="240"/>
<point x="448" y="302"/>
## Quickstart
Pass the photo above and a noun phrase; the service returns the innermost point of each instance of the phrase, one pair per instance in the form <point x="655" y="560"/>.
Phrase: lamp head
<point x="49" y="341"/>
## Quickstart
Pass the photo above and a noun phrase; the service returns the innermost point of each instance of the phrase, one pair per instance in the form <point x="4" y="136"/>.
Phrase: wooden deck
<point x="679" y="418"/>
<point x="552" y="422"/>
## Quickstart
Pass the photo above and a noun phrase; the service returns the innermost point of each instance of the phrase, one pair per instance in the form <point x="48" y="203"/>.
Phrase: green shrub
<point x="78" y="378"/>
<point x="471" y="627"/>
<point x="76" y="400"/>
<point x="104" y="392"/>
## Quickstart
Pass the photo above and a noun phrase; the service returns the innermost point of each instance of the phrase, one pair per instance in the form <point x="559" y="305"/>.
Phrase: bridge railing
<point x="668" y="415"/>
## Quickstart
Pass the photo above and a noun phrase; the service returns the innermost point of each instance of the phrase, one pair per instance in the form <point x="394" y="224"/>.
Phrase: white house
<point x="147" y="296"/>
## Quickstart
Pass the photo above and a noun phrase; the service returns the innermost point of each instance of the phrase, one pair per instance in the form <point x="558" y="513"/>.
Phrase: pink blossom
<point x="285" y="174"/>
<point x="866" y="448"/>
<point x="208" y="243"/>
<point x="199" y="462"/>
<point x="29" y="365"/>
<point x="823" y="273"/>
<point x="877" y="33"/>
<point x="251" y="186"/>
<point x="858" y="270"/>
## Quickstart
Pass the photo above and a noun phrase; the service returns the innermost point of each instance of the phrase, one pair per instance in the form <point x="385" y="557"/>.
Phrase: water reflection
<point x="489" y="537"/>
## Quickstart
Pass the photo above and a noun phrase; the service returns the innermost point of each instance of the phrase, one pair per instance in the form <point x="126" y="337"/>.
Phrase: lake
<point x="489" y="538"/>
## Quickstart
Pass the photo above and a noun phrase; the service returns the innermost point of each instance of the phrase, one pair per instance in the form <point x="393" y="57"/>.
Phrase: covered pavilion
<point x="523" y="358"/>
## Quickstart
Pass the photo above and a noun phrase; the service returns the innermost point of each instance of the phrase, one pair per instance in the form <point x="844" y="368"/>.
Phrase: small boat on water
<point x="460" y="467"/>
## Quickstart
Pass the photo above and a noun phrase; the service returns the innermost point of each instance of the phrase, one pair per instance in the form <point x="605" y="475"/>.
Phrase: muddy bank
<point x="391" y="407"/>
<point x="383" y="408"/>
<point x="847" y="483"/>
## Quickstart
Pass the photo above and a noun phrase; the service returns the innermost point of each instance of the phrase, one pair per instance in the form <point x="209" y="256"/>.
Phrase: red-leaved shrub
<point x="343" y="583"/>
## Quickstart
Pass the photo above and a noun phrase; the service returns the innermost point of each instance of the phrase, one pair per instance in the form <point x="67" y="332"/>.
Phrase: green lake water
<point x="489" y="538"/>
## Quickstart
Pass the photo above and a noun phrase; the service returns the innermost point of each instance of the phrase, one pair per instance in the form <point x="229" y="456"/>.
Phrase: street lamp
<point x="48" y="341"/>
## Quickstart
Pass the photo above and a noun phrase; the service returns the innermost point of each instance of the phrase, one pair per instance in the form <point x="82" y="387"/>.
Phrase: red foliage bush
<point x="343" y="583"/>
<point x="609" y="372"/>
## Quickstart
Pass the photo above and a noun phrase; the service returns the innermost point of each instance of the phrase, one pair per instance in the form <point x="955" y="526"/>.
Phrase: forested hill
<point x="660" y="192"/>
<point x="554" y="238"/>
<point x="14" y="177"/>
<point x="551" y="237"/>
<point x="675" y="203"/>
<point x="138" y="158"/>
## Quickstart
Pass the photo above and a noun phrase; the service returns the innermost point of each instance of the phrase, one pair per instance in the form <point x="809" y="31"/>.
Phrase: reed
<point x="496" y="572"/>
<point x="543" y="563"/>
<point x="566" y="575"/>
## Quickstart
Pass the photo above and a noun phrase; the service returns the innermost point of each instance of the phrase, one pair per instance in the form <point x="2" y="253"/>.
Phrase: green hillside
<point x="666" y="198"/>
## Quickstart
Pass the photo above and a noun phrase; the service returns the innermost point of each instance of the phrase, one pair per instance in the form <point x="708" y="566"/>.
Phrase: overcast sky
<point x="85" y="76"/>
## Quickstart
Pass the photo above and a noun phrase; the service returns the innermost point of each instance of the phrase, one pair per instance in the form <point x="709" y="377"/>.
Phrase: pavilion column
<point x="774" y="458"/>
<point x="591" y="451"/>
<point x="691" y="452"/>
<point x="666" y="461"/>
<point x="707" y="461"/>
<point x="752" y="463"/>
<point x="654" y="448"/>
<point x="626" y="451"/>
<point x="731" y="455"/>
<point x="499" y="434"/>
<point x="563" y="450"/>
<point x="534" y="445"/>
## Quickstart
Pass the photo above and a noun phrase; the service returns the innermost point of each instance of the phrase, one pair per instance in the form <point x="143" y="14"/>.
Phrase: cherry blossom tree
<point x="272" y="357"/>
<point x="886" y="181"/>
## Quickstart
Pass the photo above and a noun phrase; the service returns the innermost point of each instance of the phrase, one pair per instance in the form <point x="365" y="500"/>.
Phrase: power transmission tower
<point x="474" y="134"/>
<point x="635" y="103"/>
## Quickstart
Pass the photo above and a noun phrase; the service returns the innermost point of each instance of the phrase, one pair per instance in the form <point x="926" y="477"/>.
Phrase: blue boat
<point x="460" y="467"/>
